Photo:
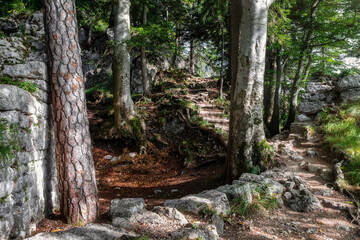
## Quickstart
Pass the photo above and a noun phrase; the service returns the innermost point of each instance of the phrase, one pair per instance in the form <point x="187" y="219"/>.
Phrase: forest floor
<point x="177" y="164"/>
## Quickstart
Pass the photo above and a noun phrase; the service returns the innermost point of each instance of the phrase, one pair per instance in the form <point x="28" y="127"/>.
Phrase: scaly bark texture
<point x="123" y="104"/>
<point x="246" y="118"/>
<point x="77" y="183"/>
<point x="192" y="56"/>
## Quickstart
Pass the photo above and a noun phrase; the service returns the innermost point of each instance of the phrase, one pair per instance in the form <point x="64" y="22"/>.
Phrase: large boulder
<point x="312" y="107"/>
<point x="211" y="200"/>
<point x="347" y="83"/>
<point x="126" y="207"/>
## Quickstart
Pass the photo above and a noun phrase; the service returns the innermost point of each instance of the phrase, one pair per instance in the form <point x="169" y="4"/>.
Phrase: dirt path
<point x="284" y="223"/>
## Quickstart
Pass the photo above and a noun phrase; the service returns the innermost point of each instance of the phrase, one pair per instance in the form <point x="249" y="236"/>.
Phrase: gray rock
<point x="289" y="185"/>
<point x="303" y="118"/>
<point x="218" y="222"/>
<point x="212" y="200"/>
<point x="350" y="95"/>
<point x="132" y="154"/>
<point x="249" y="177"/>
<point x="317" y="87"/>
<point x="313" y="168"/>
<point x="311" y="107"/>
<point x="122" y="223"/>
<point x="344" y="228"/>
<point x="327" y="174"/>
<point x="30" y="70"/>
<point x="126" y="207"/>
<point x="242" y="190"/>
<point x="206" y="232"/>
<point x="347" y="83"/>
<point x="311" y="153"/>
<point x="146" y="217"/>
<point x="89" y="232"/>
<point x="305" y="203"/>
<point x="325" y="193"/>
<point x="108" y="157"/>
<point x="297" y="157"/>
<point x="8" y="25"/>
<point x="156" y="192"/>
<point x="171" y="213"/>
<point x="287" y="196"/>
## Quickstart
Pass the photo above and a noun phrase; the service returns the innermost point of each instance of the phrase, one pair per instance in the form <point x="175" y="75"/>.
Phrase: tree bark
<point x="222" y="60"/>
<point x="246" y="116"/>
<point x="123" y="104"/>
<point x="76" y="174"/>
<point x="275" y="118"/>
<point x="269" y="88"/>
<point x="304" y="50"/>
<point x="192" y="57"/>
<point x="145" y="79"/>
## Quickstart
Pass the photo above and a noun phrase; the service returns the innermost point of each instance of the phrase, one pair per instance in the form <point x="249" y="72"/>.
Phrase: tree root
<point x="339" y="177"/>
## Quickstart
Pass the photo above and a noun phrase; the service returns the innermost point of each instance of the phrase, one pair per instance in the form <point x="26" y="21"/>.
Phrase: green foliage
<point x="8" y="142"/>
<point x="261" y="201"/>
<point x="27" y="86"/>
<point x="19" y="7"/>
<point x="342" y="132"/>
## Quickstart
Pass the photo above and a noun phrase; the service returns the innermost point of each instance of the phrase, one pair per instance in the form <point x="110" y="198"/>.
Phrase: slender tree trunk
<point x="222" y="60"/>
<point x="246" y="111"/>
<point x="123" y="104"/>
<point x="167" y="15"/>
<point x="145" y="79"/>
<point x="234" y="41"/>
<point x="269" y="87"/>
<point x="192" y="57"/>
<point x="76" y="174"/>
<point x="305" y="45"/>
<point x="275" y="119"/>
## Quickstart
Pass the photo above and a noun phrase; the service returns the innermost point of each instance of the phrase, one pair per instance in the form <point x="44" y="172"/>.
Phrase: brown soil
<point x="160" y="174"/>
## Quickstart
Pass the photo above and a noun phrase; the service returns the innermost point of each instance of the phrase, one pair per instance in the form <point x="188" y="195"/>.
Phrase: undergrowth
<point x="8" y="143"/>
<point x="27" y="86"/>
<point x="342" y="131"/>
<point x="261" y="202"/>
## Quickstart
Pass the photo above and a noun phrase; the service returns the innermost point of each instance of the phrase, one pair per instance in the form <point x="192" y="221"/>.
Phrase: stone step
<point x="216" y="120"/>
<point x="208" y="113"/>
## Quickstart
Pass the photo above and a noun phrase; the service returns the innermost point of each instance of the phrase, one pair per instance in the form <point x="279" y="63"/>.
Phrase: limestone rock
<point x="89" y="232"/>
<point x="212" y="200"/>
<point x="122" y="223"/>
<point x="171" y="213"/>
<point x="126" y="207"/>
<point x="350" y="95"/>
<point x="347" y="83"/>
<point x="32" y="70"/>
<point x="218" y="222"/>
<point x="313" y="168"/>
<point x="205" y="232"/>
<point x="312" y="107"/>
<point x="242" y="190"/>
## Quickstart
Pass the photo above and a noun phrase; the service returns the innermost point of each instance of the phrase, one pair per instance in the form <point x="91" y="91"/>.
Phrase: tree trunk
<point x="125" y="118"/>
<point x="275" y="119"/>
<point x="222" y="61"/>
<point x="192" y="57"/>
<point x="145" y="79"/>
<point x="123" y="104"/>
<point x="269" y="87"/>
<point x="76" y="174"/>
<point x="304" y="50"/>
<point x="246" y="116"/>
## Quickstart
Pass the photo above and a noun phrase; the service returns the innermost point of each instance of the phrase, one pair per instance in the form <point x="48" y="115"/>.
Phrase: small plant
<point x="8" y="142"/>
<point x="27" y="86"/>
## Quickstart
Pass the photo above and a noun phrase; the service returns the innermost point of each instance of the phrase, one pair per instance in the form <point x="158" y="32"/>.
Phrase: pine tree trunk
<point x="246" y="116"/>
<point x="76" y="174"/>
<point x="123" y="104"/>
<point x="145" y="79"/>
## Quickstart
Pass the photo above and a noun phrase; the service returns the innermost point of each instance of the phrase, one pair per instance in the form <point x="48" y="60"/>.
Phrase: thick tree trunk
<point x="77" y="183"/>
<point x="246" y="117"/>
<point x="123" y="104"/>
<point x="275" y="119"/>
<point x="145" y="79"/>
<point x="269" y="88"/>
<point x="192" y="56"/>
